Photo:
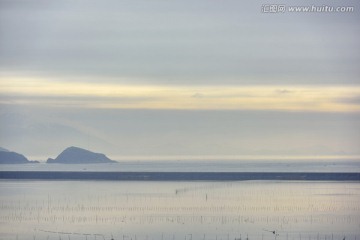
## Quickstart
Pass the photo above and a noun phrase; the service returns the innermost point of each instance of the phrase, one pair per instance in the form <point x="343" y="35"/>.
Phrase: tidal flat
<point x="179" y="210"/>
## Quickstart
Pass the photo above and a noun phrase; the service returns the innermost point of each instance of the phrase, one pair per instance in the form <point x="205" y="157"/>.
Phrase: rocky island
<point x="76" y="155"/>
<point x="8" y="157"/>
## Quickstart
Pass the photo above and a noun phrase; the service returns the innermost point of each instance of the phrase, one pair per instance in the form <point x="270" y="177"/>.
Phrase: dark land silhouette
<point x="76" y="155"/>
<point x="8" y="157"/>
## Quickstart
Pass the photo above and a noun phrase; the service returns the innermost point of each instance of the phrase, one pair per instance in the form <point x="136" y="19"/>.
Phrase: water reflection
<point x="173" y="210"/>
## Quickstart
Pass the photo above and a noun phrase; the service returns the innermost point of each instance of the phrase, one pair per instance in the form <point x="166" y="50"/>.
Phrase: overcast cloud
<point x="179" y="42"/>
<point x="155" y="77"/>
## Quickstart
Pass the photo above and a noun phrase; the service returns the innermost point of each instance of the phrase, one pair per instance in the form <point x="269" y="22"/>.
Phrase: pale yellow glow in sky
<point x="107" y="95"/>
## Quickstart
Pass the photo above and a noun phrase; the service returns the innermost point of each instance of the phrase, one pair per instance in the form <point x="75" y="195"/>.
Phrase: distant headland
<point x="8" y="157"/>
<point x="76" y="155"/>
<point x="71" y="155"/>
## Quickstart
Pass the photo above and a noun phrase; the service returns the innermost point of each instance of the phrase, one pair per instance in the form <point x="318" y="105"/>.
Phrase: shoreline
<point x="179" y="176"/>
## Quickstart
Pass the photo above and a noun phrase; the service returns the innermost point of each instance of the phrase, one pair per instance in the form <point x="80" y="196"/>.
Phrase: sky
<point x="179" y="78"/>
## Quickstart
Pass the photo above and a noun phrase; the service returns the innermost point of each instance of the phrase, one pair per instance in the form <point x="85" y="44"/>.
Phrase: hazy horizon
<point x="179" y="78"/>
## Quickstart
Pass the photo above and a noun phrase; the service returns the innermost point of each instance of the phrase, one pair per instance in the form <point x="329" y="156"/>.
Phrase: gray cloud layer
<point x="179" y="42"/>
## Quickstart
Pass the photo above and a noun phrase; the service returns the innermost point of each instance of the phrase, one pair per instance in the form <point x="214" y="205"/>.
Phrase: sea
<point x="186" y="210"/>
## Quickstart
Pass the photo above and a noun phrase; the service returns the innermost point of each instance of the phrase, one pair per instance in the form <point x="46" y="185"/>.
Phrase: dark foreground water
<point x="170" y="210"/>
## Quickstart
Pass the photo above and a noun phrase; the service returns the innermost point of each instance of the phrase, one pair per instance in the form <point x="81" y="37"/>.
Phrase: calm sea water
<point x="172" y="210"/>
<point x="323" y="165"/>
<point x="182" y="210"/>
